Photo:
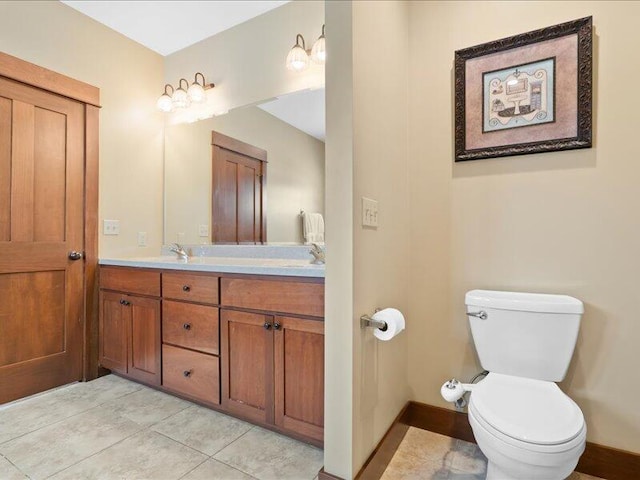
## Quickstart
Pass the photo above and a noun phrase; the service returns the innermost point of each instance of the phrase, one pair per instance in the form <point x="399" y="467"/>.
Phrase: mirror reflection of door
<point x="238" y="214"/>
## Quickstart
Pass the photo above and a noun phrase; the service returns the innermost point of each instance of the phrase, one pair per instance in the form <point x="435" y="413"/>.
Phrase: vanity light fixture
<point x="298" y="57"/>
<point x="184" y="95"/>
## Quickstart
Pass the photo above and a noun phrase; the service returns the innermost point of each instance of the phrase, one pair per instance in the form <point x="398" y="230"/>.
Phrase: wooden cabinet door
<point x="239" y="197"/>
<point x="299" y="375"/>
<point x="145" y="339"/>
<point x="114" y="326"/>
<point x="247" y="364"/>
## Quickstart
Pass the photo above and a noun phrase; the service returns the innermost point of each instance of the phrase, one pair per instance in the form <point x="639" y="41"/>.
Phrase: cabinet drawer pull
<point x="187" y="326"/>
<point x="186" y="288"/>
<point x="276" y="326"/>
<point x="187" y="373"/>
<point x="267" y="325"/>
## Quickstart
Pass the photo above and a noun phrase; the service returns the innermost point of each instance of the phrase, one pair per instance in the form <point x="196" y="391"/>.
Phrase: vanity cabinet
<point x="129" y="340"/>
<point x="273" y="361"/>
<point x="248" y="345"/>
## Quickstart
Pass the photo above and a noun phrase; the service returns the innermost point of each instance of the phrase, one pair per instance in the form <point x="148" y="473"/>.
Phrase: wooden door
<point x="145" y="341"/>
<point x="247" y="364"/>
<point x="114" y="327"/>
<point x="299" y="375"/>
<point x="41" y="222"/>
<point x="239" y="199"/>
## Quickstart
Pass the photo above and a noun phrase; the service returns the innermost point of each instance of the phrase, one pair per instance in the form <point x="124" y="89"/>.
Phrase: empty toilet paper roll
<point x="394" y="320"/>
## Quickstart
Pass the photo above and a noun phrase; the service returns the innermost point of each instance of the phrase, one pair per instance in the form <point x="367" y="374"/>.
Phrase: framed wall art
<point x="529" y="93"/>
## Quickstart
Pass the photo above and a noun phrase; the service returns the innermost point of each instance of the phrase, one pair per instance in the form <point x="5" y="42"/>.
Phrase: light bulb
<point x="164" y="103"/>
<point x="196" y="93"/>
<point x="180" y="98"/>
<point x="297" y="59"/>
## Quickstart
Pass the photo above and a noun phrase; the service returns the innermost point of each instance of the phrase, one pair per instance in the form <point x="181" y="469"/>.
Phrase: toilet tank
<point x="525" y="334"/>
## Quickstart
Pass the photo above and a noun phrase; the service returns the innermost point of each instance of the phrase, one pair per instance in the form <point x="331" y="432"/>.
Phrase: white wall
<point x="55" y="36"/>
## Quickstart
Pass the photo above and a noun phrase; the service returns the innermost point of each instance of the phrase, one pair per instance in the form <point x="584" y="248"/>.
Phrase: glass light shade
<point x="164" y="103"/>
<point x="297" y="59"/>
<point x="180" y="99"/>
<point x="319" y="51"/>
<point x="196" y="93"/>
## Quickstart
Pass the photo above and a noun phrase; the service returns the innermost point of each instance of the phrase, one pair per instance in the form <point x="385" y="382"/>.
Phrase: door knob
<point x="73" y="255"/>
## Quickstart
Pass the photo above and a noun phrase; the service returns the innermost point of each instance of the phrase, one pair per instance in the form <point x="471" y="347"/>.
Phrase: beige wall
<point x="56" y="37"/>
<point x="367" y="155"/>
<point x="381" y="256"/>
<point x="247" y="62"/>
<point x="295" y="173"/>
<point x="339" y="321"/>
<point x="562" y="222"/>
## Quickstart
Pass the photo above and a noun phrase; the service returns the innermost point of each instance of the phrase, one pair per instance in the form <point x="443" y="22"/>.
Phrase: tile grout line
<point x="14" y="465"/>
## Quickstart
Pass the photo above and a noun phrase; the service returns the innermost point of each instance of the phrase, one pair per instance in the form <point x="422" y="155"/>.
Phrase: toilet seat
<point x="531" y="414"/>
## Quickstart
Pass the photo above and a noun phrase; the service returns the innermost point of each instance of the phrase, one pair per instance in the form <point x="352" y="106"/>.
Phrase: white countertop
<point x="254" y="266"/>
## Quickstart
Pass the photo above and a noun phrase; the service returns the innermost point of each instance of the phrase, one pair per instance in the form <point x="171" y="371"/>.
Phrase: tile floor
<point x="425" y="455"/>
<point x="112" y="428"/>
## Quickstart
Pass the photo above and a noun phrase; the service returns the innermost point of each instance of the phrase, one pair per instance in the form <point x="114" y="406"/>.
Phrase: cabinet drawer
<point x="190" y="325"/>
<point x="187" y="286"/>
<point x="130" y="280"/>
<point x="274" y="296"/>
<point x="191" y="373"/>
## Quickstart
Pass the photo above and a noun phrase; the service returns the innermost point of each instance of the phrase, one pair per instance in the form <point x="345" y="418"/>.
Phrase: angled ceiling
<point x="169" y="26"/>
<point x="303" y="110"/>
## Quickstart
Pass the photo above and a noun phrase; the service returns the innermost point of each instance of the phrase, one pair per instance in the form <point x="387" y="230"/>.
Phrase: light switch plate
<point x="203" y="230"/>
<point x="369" y="212"/>
<point x="142" y="239"/>
<point x="111" y="227"/>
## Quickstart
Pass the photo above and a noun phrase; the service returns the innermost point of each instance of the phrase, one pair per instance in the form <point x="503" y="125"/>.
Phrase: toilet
<point x="524" y="424"/>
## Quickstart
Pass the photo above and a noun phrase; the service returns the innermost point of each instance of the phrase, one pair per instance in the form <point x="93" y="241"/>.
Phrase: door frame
<point x="33" y="75"/>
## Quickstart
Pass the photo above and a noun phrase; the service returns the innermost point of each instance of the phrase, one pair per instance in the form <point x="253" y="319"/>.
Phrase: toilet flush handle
<point x="482" y="315"/>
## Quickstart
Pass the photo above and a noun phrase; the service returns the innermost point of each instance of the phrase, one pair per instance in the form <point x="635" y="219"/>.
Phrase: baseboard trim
<point x="597" y="460"/>
<point x="322" y="475"/>
<point x="379" y="459"/>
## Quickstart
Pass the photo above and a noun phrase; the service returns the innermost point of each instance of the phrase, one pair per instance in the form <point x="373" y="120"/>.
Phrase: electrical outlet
<point x="142" y="239"/>
<point x="111" y="227"/>
<point x="369" y="212"/>
<point x="203" y="230"/>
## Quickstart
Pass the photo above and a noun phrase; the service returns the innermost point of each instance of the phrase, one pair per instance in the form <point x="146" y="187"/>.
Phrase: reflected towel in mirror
<point x="312" y="228"/>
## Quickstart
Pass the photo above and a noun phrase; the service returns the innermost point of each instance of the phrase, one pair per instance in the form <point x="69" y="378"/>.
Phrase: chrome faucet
<point x="180" y="251"/>
<point x="318" y="254"/>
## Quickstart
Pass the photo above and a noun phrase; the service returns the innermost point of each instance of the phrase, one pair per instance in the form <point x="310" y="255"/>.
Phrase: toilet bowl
<point x="524" y="424"/>
<point x="528" y="429"/>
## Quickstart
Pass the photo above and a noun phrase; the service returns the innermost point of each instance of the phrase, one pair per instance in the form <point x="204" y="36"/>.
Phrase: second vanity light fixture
<point x="298" y="57"/>
<point x="181" y="97"/>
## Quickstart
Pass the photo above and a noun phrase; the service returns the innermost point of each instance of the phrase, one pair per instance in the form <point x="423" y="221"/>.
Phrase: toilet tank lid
<point x="524" y="302"/>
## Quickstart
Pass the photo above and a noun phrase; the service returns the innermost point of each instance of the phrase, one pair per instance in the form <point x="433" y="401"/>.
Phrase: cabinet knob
<point x="187" y="326"/>
<point x="187" y="373"/>
<point x="125" y="302"/>
<point x="267" y="325"/>
<point x="186" y="288"/>
<point x="277" y="326"/>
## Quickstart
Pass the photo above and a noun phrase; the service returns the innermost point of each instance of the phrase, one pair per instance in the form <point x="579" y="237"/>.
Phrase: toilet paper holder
<point x="367" y="321"/>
